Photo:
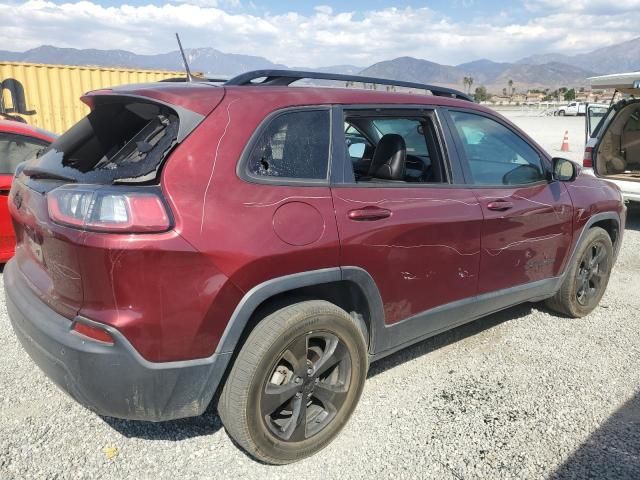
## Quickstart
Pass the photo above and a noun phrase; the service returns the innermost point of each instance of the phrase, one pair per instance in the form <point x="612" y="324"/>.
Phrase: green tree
<point x="570" y="95"/>
<point x="481" y="94"/>
<point x="511" y="89"/>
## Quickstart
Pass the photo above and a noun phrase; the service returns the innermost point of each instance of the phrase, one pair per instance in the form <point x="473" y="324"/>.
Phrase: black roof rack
<point x="287" y="77"/>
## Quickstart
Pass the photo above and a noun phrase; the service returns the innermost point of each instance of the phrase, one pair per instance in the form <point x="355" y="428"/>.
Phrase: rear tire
<point x="561" y="113"/>
<point x="587" y="277"/>
<point x="295" y="383"/>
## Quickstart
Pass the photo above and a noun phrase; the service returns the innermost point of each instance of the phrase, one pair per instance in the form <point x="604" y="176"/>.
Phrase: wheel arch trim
<point x="598" y="217"/>
<point x="266" y="290"/>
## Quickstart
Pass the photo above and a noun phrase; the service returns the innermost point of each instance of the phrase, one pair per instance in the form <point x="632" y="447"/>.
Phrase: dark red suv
<point x="268" y="242"/>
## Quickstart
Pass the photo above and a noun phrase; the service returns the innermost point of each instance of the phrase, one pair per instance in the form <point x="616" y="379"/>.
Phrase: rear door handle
<point x="368" y="214"/>
<point x="499" y="205"/>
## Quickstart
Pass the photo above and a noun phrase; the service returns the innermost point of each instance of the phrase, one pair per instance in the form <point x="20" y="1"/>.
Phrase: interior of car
<point x="619" y="151"/>
<point x="393" y="149"/>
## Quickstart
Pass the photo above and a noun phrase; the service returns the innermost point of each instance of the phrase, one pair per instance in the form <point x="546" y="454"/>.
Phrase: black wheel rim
<point x="591" y="274"/>
<point x="307" y="386"/>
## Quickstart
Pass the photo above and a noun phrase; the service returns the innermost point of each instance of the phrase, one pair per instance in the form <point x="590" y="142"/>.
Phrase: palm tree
<point x="470" y="82"/>
<point x="504" y="92"/>
<point x="465" y="82"/>
<point x="511" y="89"/>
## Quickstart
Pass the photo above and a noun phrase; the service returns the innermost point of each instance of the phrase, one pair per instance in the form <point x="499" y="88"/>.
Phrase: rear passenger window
<point x="294" y="145"/>
<point x="496" y="155"/>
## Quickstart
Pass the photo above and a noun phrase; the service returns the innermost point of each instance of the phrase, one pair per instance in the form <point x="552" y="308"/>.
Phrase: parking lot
<point x="520" y="394"/>
<point x="549" y="131"/>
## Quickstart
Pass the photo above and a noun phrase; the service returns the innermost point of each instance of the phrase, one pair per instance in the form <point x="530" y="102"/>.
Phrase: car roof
<point x="19" y="128"/>
<point x="344" y="96"/>
<point x="283" y="97"/>
<point x="179" y="94"/>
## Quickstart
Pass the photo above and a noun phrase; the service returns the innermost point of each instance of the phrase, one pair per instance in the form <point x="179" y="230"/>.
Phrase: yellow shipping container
<point x="48" y="96"/>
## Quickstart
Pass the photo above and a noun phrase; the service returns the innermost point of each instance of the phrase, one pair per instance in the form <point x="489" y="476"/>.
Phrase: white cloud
<point x="599" y="7"/>
<point x="324" y="37"/>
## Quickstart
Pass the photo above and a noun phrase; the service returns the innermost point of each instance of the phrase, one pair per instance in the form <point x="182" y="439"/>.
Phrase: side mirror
<point x="564" y="170"/>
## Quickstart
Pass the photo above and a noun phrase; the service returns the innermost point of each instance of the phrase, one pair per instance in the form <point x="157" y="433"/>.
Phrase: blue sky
<point x="464" y="9"/>
<point x="330" y="32"/>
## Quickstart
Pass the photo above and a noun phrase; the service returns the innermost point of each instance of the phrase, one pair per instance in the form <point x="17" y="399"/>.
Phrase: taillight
<point x="108" y="209"/>
<point x="94" y="333"/>
<point x="587" y="161"/>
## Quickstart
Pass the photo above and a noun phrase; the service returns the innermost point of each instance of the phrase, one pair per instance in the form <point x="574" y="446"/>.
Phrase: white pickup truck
<point x="574" y="109"/>
<point x="613" y="145"/>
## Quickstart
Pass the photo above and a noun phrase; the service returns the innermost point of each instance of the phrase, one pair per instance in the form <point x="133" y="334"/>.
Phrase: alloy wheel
<point x="591" y="273"/>
<point x="307" y="387"/>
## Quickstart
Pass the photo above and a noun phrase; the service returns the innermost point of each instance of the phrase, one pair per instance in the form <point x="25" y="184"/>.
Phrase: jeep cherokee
<point x="262" y="244"/>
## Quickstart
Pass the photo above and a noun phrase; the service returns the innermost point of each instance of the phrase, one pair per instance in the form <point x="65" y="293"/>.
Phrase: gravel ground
<point x="519" y="394"/>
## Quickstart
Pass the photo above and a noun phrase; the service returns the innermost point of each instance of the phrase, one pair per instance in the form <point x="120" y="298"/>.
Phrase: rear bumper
<point x="111" y="380"/>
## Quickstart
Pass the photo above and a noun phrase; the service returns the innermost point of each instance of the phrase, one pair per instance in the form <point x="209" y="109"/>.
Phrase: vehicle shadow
<point x="612" y="451"/>
<point x="450" y="337"/>
<point x="175" y="430"/>
<point x="209" y="422"/>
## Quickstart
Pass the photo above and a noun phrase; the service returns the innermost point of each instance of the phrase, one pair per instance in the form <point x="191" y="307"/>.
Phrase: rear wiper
<point x="34" y="172"/>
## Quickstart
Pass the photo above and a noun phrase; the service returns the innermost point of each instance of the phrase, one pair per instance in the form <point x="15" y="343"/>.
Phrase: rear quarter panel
<point x="250" y="232"/>
<point x="232" y="220"/>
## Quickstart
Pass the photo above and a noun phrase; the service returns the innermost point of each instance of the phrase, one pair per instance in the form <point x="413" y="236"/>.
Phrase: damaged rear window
<point x="118" y="142"/>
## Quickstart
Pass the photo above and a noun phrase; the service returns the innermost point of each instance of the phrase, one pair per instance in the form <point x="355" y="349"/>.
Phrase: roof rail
<point x="287" y="77"/>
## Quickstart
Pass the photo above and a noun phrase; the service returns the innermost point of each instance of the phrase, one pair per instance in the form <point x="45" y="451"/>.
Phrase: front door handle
<point x="368" y="214"/>
<point x="499" y="205"/>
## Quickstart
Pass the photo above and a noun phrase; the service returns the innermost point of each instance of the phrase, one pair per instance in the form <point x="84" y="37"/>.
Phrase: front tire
<point x="587" y="278"/>
<point x="561" y="113"/>
<point x="295" y="383"/>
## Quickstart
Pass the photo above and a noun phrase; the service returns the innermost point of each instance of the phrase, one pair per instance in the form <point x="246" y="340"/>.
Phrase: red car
<point x="266" y="243"/>
<point x="18" y="142"/>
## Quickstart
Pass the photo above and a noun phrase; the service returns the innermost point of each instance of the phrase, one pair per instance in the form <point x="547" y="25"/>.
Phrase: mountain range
<point x="536" y="71"/>
<point x="492" y="75"/>
<point x="622" y="57"/>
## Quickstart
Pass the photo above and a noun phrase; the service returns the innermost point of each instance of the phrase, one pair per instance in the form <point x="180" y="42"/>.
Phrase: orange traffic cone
<point x="565" y="142"/>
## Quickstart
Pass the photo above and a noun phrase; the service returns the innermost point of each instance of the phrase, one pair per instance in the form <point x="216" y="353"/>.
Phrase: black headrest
<point x="390" y="158"/>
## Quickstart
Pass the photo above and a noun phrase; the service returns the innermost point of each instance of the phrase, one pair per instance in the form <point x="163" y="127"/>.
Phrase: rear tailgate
<point x="45" y="256"/>
<point x="125" y="140"/>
